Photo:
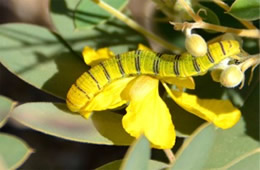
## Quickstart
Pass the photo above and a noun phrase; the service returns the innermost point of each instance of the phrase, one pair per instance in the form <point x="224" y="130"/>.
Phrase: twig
<point x="190" y="11"/>
<point x="169" y="155"/>
<point x="252" y="33"/>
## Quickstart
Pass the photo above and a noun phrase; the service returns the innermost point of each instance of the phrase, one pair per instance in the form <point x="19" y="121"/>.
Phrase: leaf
<point x="248" y="161"/>
<point x="152" y="165"/>
<point x="35" y="55"/>
<point x="62" y="15"/>
<point x="13" y="151"/>
<point x="245" y="9"/>
<point x="113" y="34"/>
<point x="45" y="61"/>
<point x="55" y="119"/>
<point x="6" y="106"/>
<point x="89" y="14"/>
<point x="222" y="147"/>
<point x="138" y="155"/>
<point x="191" y="151"/>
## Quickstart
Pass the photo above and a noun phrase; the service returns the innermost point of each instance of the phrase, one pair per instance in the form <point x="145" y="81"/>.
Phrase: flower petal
<point x="186" y="82"/>
<point x="109" y="97"/>
<point x="86" y="114"/>
<point x="220" y="112"/>
<point x="147" y="113"/>
<point x="143" y="47"/>
<point x="93" y="57"/>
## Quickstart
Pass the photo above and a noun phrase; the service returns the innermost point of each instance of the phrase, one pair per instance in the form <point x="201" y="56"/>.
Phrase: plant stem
<point x="131" y="23"/>
<point x="251" y="33"/>
<point x="190" y="11"/>
<point x="169" y="155"/>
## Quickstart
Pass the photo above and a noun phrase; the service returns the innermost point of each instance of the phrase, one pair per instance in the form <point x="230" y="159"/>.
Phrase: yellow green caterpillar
<point x="138" y="62"/>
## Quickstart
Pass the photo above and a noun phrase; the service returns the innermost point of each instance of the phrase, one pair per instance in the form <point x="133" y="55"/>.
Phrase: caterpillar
<point x="138" y="62"/>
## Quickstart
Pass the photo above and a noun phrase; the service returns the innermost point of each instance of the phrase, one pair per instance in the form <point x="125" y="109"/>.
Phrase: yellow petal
<point x="109" y="97"/>
<point x="93" y="57"/>
<point x="143" y="47"/>
<point x="147" y="113"/>
<point x="186" y="82"/>
<point x="220" y="112"/>
<point x="86" y="114"/>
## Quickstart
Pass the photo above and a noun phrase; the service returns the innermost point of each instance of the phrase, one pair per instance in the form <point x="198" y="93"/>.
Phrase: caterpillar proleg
<point x="145" y="63"/>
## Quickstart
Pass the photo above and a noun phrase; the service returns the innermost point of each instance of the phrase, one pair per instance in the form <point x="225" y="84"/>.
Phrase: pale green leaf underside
<point x="35" y="55"/>
<point x="13" y="151"/>
<point x="152" y="165"/>
<point x="138" y="155"/>
<point x="5" y="107"/>
<point x="248" y="161"/>
<point x="55" y="119"/>
<point x="196" y="150"/>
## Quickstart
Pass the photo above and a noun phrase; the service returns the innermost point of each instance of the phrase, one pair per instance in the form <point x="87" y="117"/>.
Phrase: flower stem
<point x="131" y="23"/>
<point x="168" y="90"/>
<point x="169" y="155"/>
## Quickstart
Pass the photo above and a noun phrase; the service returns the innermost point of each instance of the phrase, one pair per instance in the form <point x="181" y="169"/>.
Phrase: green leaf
<point x="246" y="9"/>
<point x="89" y="14"/>
<point x="138" y="155"/>
<point x="62" y="15"/>
<point x="190" y="156"/>
<point x="222" y="147"/>
<point x="55" y="119"/>
<point x="113" y="34"/>
<point x="6" y="106"/>
<point x="36" y="55"/>
<point x="248" y="161"/>
<point x="13" y="151"/>
<point x="45" y="61"/>
<point x="152" y="165"/>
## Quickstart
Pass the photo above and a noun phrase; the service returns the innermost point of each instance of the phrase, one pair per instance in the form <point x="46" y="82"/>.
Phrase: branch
<point x="251" y="33"/>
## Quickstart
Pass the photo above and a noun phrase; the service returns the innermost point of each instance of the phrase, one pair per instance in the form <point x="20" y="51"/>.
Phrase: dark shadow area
<point x="250" y="110"/>
<point x="184" y="122"/>
<point x="18" y="90"/>
<point x="205" y="87"/>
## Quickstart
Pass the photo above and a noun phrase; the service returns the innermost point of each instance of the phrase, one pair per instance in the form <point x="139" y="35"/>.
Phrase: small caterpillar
<point x="145" y="63"/>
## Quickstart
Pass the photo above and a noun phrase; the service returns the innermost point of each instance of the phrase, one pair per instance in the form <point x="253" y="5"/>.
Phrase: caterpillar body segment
<point x="145" y="63"/>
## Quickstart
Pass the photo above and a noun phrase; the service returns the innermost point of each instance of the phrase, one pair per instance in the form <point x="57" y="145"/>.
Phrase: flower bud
<point x="231" y="76"/>
<point x="196" y="45"/>
<point x="215" y="74"/>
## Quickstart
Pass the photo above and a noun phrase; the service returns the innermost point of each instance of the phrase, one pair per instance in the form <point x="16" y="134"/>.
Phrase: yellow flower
<point x="146" y="112"/>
